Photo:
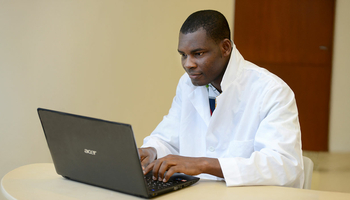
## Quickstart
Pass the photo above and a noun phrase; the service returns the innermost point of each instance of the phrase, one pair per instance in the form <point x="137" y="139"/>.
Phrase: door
<point x="294" y="40"/>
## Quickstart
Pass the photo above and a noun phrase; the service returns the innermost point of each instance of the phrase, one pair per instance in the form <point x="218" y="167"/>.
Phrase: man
<point x="251" y="137"/>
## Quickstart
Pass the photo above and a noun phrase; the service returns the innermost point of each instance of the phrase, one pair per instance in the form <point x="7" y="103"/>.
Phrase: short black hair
<point x="213" y="22"/>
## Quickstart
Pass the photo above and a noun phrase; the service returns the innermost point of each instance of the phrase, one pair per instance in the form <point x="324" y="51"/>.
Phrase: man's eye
<point x="199" y="54"/>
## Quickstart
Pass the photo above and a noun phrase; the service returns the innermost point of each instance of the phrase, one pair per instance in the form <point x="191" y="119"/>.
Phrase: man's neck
<point x="217" y="86"/>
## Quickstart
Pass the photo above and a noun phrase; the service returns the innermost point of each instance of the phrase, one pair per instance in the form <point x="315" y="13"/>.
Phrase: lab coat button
<point x="212" y="149"/>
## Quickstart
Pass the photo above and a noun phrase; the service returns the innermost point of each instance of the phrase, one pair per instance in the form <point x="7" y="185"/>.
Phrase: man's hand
<point x="188" y="165"/>
<point x="147" y="155"/>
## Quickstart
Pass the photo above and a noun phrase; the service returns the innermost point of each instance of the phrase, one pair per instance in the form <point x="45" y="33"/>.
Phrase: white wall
<point x="339" y="137"/>
<point x="111" y="59"/>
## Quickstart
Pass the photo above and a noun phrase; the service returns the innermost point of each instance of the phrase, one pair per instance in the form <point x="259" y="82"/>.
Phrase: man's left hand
<point x="179" y="164"/>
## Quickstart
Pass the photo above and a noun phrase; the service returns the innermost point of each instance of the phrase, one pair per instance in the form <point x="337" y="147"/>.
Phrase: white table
<point x="40" y="181"/>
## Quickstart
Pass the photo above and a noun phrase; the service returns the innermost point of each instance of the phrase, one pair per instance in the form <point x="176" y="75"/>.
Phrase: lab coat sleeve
<point x="277" y="156"/>
<point x="165" y="138"/>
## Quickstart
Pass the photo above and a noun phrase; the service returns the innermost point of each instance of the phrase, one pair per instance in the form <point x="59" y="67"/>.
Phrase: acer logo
<point x="91" y="152"/>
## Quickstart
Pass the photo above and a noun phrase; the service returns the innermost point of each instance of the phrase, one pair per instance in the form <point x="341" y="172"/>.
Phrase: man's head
<point x="213" y="22"/>
<point x="205" y="47"/>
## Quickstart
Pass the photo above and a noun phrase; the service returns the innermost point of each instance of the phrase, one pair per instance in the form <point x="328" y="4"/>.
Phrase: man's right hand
<point x="147" y="155"/>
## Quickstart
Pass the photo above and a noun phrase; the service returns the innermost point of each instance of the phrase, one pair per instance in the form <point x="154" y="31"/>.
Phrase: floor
<point x="331" y="171"/>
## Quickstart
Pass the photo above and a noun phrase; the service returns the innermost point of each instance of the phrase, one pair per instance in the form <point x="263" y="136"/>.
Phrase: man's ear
<point x="226" y="47"/>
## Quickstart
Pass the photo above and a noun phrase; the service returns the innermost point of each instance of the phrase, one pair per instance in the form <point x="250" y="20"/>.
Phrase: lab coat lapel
<point x="200" y="99"/>
<point x="233" y="70"/>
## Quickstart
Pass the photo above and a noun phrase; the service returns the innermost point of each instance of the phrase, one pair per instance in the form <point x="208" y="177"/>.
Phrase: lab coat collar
<point x="233" y="69"/>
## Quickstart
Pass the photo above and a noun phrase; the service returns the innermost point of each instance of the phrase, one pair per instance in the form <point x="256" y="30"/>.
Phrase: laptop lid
<point x="98" y="152"/>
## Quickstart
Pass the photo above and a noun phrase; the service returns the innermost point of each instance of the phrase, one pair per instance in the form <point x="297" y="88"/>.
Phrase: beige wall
<point x="111" y="59"/>
<point x="339" y="137"/>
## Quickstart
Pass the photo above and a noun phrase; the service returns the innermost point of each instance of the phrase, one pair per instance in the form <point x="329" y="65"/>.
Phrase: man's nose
<point x="189" y="63"/>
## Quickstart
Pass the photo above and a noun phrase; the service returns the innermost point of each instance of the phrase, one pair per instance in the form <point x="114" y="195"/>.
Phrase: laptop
<point x="101" y="153"/>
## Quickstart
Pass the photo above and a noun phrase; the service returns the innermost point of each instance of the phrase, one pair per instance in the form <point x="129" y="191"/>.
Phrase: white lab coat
<point x="254" y="130"/>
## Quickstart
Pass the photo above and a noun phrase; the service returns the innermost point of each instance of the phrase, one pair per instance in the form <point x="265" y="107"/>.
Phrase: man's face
<point x="202" y="58"/>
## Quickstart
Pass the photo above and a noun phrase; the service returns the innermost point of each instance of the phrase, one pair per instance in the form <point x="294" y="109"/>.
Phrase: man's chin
<point x="197" y="83"/>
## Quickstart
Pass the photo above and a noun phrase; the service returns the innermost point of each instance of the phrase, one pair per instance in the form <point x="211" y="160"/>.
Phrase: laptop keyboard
<point x="159" y="185"/>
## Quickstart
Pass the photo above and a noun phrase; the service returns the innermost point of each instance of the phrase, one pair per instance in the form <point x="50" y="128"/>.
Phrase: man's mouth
<point x="194" y="75"/>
